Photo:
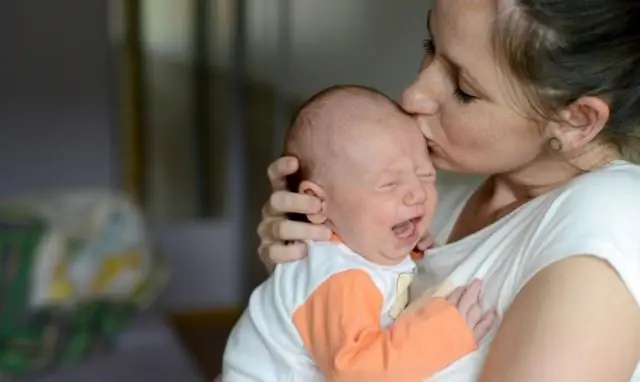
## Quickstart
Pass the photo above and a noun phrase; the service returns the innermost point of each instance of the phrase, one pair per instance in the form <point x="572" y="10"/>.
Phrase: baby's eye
<point x="386" y="186"/>
<point x="426" y="177"/>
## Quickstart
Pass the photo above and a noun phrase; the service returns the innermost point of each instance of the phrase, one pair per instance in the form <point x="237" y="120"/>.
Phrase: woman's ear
<point x="313" y="189"/>
<point x="582" y="121"/>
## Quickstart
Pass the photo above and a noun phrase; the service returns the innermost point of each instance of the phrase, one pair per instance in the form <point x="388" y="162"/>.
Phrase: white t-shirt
<point x="597" y="213"/>
<point x="319" y="313"/>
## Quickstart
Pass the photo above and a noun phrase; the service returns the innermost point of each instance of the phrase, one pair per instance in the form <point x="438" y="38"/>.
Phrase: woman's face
<point x="463" y="101"/>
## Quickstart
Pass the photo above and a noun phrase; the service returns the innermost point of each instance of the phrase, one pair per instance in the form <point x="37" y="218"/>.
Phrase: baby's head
<point x="367" y="161"/>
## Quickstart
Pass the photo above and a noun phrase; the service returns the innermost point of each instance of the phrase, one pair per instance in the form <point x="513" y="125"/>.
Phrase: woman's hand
<point x="281" y="239"/>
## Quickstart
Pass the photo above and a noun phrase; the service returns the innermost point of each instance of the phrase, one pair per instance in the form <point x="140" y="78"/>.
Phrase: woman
<point x="543" y="96"/>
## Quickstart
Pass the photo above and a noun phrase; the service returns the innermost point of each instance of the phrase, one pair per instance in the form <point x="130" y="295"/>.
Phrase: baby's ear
<point x="313" y="189"/>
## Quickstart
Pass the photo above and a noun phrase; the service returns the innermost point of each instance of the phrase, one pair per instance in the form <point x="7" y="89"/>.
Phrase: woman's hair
<point x="561" y="50"/>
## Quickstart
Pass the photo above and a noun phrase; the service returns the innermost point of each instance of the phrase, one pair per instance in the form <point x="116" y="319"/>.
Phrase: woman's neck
<point x="503" y="193"/>
<point x="546" y="174"/>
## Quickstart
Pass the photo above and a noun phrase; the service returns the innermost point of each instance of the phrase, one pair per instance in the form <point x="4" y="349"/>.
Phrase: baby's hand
<point x="426" y="242"/>
<point x="467" y="300"/>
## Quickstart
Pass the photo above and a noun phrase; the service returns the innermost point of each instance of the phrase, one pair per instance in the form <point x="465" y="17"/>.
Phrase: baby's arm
<point x="340" y="326"/>
<point x="466" y="299"/>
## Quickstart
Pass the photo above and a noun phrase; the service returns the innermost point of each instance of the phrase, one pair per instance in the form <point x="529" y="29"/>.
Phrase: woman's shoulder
<point x="597" y="214"/>
<point x="602" y="205"/>
<point x="611" y="190"/>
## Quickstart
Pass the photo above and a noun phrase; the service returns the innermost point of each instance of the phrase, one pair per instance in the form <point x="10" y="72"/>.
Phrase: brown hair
<point x="562" y="50"/>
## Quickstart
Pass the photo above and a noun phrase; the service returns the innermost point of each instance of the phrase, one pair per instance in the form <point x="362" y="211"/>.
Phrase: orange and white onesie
<point x="335" y="316"/>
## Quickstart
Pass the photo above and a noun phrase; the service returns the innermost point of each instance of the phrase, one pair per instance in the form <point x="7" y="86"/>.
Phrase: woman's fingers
<point x="284" y="202"/>
<point x="275" y="232"/>
<point x="279" y="170"/>
<point x="281" y="230"/>
<point x="275" y="253"/>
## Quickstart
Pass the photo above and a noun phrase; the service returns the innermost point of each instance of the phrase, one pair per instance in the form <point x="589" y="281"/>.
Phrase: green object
<point x="63" y="332"/>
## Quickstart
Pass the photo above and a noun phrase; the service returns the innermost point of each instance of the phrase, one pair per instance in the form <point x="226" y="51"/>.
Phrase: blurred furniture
<point x="149" y="351"/>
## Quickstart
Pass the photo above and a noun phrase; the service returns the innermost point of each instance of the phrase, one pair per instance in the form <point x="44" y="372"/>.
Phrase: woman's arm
<point x="574" y="321"/>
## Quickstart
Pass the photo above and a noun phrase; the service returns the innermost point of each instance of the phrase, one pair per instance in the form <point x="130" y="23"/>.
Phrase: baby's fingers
<point x="484" y="326"/>
<point x="426" y="242"/>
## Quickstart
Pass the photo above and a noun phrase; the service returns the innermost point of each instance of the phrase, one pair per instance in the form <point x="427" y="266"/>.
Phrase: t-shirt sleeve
<point x="340" y="327"/>
<point x="599" y="216"/>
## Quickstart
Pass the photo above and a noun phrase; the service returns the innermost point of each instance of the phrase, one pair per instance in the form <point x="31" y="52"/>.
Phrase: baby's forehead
<point x="352" y="105"/>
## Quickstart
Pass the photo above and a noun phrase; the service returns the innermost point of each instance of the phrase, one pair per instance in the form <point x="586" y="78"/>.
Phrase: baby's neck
<point x="378" y="258"/>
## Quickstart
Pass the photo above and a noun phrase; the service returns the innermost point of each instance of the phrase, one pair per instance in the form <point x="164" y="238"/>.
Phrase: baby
<point x="339" y="314"/>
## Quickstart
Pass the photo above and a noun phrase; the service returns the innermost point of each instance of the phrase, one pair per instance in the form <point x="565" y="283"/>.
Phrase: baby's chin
<point x="391" y="253"/>
<point x="396" y="257"/>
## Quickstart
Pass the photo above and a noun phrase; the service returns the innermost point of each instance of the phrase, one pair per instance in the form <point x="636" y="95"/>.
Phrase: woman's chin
<point x="445" y="164"/>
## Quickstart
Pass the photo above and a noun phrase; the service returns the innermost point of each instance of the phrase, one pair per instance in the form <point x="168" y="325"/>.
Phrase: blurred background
<point x="182" y="104"/>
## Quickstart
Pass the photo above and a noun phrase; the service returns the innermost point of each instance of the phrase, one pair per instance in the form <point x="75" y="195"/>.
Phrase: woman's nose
<point x="420" y="98"/>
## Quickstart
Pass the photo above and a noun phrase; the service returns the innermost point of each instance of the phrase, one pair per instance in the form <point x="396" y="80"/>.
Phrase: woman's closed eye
<point x="462" y="96"/>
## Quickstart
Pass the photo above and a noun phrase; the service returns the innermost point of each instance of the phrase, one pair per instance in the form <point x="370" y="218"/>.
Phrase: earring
<point x="555" y="144"/>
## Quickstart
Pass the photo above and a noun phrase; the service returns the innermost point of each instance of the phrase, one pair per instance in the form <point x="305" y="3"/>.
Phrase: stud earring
<point x="555" y="144"/>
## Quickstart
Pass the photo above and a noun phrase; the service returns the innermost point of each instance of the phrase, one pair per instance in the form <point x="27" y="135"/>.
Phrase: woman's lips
<point x="434" y="147"/>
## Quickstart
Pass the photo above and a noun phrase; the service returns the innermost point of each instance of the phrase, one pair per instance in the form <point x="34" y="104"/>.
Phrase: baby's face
<point x="382" y="199"/>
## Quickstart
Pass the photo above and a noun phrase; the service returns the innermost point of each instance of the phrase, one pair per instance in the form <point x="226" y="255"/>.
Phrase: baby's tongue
<point x="403" y="230"/>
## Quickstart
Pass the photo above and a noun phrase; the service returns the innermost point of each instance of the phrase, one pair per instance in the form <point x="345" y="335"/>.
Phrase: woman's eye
<point x="429" y="49"/>
<point x="462" y="96"/>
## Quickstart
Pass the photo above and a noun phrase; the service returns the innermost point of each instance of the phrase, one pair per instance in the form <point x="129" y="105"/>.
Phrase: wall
<point x="333" y="41"/>
<point x="376" y="43"/>
<point x="56" y="109"/>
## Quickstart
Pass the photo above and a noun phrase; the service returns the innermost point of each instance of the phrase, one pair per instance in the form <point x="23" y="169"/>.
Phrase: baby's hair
<point x="308" y="116"/>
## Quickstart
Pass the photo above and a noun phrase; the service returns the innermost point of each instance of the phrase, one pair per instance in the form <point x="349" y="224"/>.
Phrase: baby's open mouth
<point x="407" y="229"/>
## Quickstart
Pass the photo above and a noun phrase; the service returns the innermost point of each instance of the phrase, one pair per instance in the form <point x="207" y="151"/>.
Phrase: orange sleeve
<point x="340" y="327"/>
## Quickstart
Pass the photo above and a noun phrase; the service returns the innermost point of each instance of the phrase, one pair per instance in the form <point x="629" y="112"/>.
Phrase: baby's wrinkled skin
<point x="368" y="163"/>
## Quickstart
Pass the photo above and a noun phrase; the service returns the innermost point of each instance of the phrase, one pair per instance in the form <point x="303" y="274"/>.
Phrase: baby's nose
<point x="415" y="195"/>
